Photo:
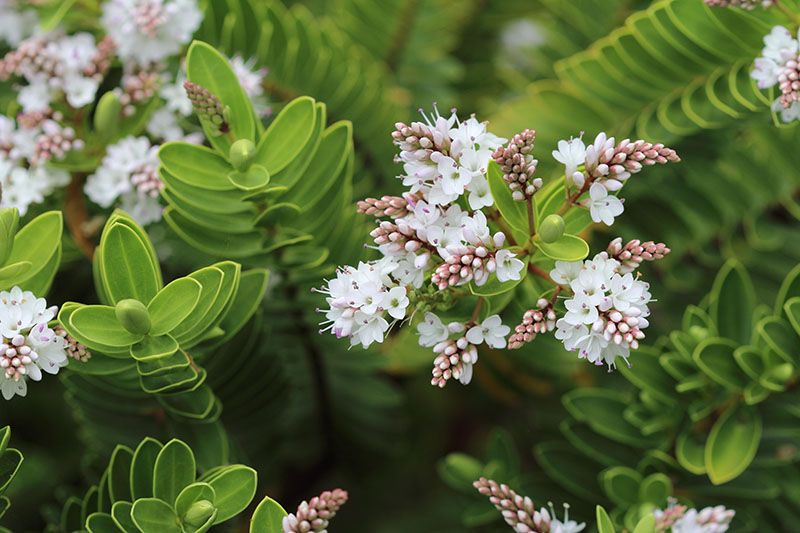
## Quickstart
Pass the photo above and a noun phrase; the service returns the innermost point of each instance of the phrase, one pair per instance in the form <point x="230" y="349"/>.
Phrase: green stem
<point x="531" y="216"/>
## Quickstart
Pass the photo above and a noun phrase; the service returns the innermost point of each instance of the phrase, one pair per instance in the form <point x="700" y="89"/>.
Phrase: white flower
<point x="787" y="114"/>
<point x="35" y="97"/>
<point x="174" y="96"/>
<point x="508" y="266"/>
<point x="128" y="173"/>
<point x="479" y="194"/>
<point x="602" y="206"/>
<point x="252" y="81"/>
<point x="779" y="47"/>
<point x="708" y="520"/>
<point x="453" y="178"/>
<point x="566" y="271"/>
<point x="15" y="24"/>
<point x="149" y="31"/>
<point x="395" y="302"/>
<point x="492" y="331"/>
<point x="580" y="310"/>
<point x="432" y="331"/>
<point x="27" y="344"/>
<point x="571" y="154"/>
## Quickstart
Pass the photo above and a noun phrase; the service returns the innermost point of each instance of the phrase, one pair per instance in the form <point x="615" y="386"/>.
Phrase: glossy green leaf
<point x="196" y="166"/>
<point x="235" y="487"/>
<point x="174" y="469"/>
<point x="193" y="493"/>
<point x="119" y="469"/>
<point x="152" y="348"/>
<point x="567" y="248"/>
<point x="36" y="243"/>
<point x="208" y="68"/>
<point x="10" y="462"/>
<point x="513" y="212"/>
<point x="121" y="514"/>
<point x="604" y="523"/>
<point x="732" y="301"/>
<point x="173" y="304"/>
<point x="98" y="323"/>
<point x="690" y="452"/>
<point x="621" y="485"/>
<point x="732" y="443"/>
<point x="714" y="356"/>
<point x="126" y="265"/>
<point x="101" y="523"/>
<point x="152" y="515"/>
<point x="9" y="224"/>
<point x="144" y="461"/>
<point x="267" y="517"/>
<point x="646" y="525"/>
<point x="287" y="135"/>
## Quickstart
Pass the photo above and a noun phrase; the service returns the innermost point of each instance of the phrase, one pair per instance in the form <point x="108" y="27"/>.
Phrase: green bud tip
<point x="107" y="114"/>
<point x="133" y="316"/>
<point x="551" y="229"/>
<point x="242" y="153"/>
<point x="199" y="513"/>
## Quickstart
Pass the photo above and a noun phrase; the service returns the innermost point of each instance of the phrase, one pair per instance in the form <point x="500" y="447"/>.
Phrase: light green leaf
<point x="152" y="515"/>
<point x="152" y="348"/>
<point x="690" y="452"/>
<point x="208" y="68"/>
<point x="287" y="135"/>
<point x="567" y="248"/>
<point x="715" y="358"/>
<point x="9" y="224"/>
<point x="267" y="517"/>
<point x="144" y="460"/>
<point x="36" y="243"/>
<point x="173" y="304"/>
<point x="196" y="166"/>
<point x="174" y="469"/>
<point x="99" y="324"/>
<point x="621" y="485"/>
<point x="646" y="525"/>
<point x="194" y="493"/>
<point x="513" y="212"/>
<point x="235" y="487"/>
<point x="604" y="523"/>
<point x="732" y="443"/>
<point x="126" y="265"/>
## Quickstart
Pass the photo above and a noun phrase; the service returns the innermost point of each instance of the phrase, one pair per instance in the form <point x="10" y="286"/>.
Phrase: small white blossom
<point x="492" y="331"/>
<point x="149" y="31"/>
<point x="27" y="344"/>
<point x="571" y="154"/>
<point x="508" y="266"/>
<point x="602" y="206"/>
<point x="16" y="23"/>
<point x="779" y="47"/>
<point x="252" y="81"/>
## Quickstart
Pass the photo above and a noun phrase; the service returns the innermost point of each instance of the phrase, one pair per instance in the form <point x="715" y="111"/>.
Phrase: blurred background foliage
<point x="309" y="414"/>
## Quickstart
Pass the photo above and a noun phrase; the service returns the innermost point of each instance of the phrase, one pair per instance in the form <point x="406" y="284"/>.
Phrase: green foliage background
<point x="709" y="411"/>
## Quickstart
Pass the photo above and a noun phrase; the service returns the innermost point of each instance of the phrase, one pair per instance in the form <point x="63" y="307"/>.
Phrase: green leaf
<point x="646" y="525"/>
<point x="36" y="243"/>
<point x="174" y="469"/>
<point x="254" y="178"/>
<point x="780" y="336"/>
<point x="10" y="273"/>
<point x="207" y="67"/>
<point x="604" y="523"/>
<point x="121" y="514"/>
<point x="602" y="410"/>
<point x="714" y="356"/>
<point x="194" y="493"/>
<point x="656" y="489"/>
<point x="173" y="304"/>
<point x="235" y="487"/>
<point x="196" y="166"/>
<point x="732" y="301"/>
<point x="252" y="286"/>
<point x="127" y="267"/>
<point x="119" y="477"/>
<point x="144" y="461"/>
<point x="732" y="443"/>
<point x="515" y="213"/>
<point x="621" y="485"/>
<point x="9" y="224"/>
<point x="99" y="324"/>
<point x="151" y="348"/>
<point x="152" y="515"/>
<point x="567" y="248"/>
<point x="268" y="517"/>
<point x="287" y="135"/>
<point x="690" y="452"/>
<point x="101" y="523"/>
<point x="10" y="462"/>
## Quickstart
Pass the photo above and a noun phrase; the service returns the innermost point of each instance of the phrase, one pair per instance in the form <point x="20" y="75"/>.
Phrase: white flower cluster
<point x="607" y="312"/>
<point x="25" y="178"/>
<point x="54" y="65"/>
<point x="252" y="81"/>
<point x="457" y="356"/>
<point x="604" y="166"/>
<point x="359" y="300"/>
<point x="445" y="158"/>
<point x="27" y="344"/>
<point x="150" y="31"/>
<point x="128" y="173"/>
<point x="16" y="24"/>
<point x="779" y="65"/>
<point x="677" y="519"/>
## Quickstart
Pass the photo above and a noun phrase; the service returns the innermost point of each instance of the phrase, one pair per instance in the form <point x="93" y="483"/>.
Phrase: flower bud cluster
<point x="521" y="514"/>
<point x="678" y="518"/>
<point x="315" y="515"/>
<point x="612" y="164"/>
<point x="779" y="65"/>
<point x="207" y="106"/>
<point x="632" y="254"/>
<point x="54" y="142"/>
<point x="387" y="206"/>
<point x="534" y="321"/>
<point x="138" y="86"/>
<point x="743" y="4"/>
<point x="518" y="165"/>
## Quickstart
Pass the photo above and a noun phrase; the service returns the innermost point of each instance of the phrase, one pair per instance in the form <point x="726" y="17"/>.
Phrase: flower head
<point x="602" y="206"/>
<point x="315" y="515"/>
<point x="27" y="344"/>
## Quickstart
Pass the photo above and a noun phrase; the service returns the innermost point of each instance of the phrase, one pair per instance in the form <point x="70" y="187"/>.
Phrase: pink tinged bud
<point x="491" y="265"/>
<point x="499" y="239"/>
